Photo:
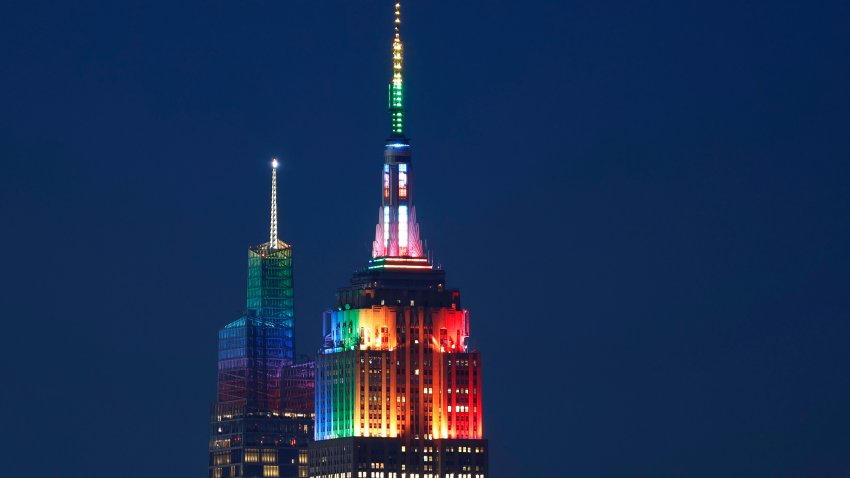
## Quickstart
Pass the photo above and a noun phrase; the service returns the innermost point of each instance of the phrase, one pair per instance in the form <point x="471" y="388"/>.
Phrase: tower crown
<point x="397" y="244"/>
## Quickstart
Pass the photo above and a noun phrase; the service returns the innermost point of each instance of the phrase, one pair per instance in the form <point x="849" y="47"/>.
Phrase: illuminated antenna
<point x="396" y="88"/>
<point x="273" y="229"/>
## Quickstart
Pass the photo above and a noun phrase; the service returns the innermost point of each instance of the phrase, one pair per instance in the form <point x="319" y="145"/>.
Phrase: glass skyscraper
<point x="262" y="419"/>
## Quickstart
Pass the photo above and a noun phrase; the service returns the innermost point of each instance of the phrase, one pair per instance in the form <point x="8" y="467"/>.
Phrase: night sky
<point x="644" y="204"/>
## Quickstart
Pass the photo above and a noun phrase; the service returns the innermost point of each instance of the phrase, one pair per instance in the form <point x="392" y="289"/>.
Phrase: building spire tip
<point x="273" y="241"/>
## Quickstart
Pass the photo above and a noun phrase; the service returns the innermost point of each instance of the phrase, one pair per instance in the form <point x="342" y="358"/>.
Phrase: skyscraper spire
<point x="397" y="233"/>
<point x="273" y="241"/>
<point x="262" y="401"/>
<point x="396" y="88"/>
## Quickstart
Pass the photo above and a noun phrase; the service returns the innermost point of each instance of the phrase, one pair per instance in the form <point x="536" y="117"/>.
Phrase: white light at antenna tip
<point x="274" y="163"/>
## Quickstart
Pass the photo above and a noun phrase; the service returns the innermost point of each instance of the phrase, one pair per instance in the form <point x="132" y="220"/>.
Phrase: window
<point x="402" y="180"/>
<point x="386" y="181"/>
<point x="252" y="455"/>
<point x="269" y="456"/>
<point x="271" y="471"/>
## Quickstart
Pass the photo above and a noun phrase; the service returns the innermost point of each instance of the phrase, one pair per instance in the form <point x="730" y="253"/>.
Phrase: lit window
<point x="252" y="455"/>
<point x="402" y="180"/>
<point x="271" y="471"/>
<point x="269" y="456"/>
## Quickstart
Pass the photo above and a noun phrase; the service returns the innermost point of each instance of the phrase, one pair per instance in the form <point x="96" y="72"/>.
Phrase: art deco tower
<point x="398" y="389"/>
<point x="261" y="423"/>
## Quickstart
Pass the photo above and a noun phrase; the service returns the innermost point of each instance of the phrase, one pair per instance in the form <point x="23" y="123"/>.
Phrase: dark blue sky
<point x="645" y="205"/>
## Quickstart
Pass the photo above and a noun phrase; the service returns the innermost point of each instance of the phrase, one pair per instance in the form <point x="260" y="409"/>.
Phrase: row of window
<point x="256" y="455"/>
<point x="392" y="474"/>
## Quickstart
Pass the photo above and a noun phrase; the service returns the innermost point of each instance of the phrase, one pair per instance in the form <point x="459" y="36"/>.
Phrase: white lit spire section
<point x="386" y="227"/>
<point x="402" y="230"/>
<point x="273" y="227"/>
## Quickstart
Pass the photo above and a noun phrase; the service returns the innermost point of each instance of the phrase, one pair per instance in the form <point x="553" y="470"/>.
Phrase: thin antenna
<point x="273" y="229"/>
<point x="396" y="87"/>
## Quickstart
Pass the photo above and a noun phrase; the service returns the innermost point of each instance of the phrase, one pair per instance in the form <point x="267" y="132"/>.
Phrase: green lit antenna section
<point x="396" y="87"/>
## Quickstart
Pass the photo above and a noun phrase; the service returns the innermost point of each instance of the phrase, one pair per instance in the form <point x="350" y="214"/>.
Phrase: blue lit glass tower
<point x="261" y="422"/>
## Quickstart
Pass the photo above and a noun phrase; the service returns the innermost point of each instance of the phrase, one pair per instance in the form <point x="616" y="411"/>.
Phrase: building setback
<point x="398" y="388"/>
<point x="262" y="419"/>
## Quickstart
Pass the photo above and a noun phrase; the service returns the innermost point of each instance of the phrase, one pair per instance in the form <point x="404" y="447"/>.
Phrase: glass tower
<point x="261" y="421"/>
<point x="398" y="388"/>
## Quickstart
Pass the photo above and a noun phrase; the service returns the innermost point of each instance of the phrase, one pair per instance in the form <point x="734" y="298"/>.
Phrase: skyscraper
<point x="398" y="388"/>
<point x="261" y="421"/>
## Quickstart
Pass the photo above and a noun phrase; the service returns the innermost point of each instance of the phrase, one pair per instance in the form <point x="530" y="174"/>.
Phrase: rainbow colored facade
<point x="396" y="363"/>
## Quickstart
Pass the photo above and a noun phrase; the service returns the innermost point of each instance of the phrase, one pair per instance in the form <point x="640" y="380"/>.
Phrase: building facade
<point x="262" y="419"/>
<point x="398" y="388"/>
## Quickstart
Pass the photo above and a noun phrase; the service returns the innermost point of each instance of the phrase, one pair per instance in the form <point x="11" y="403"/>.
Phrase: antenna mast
<point x="273" y="241"/>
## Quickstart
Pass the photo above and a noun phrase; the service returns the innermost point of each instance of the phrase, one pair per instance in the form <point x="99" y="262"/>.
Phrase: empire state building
<point x="398" y="388"/>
